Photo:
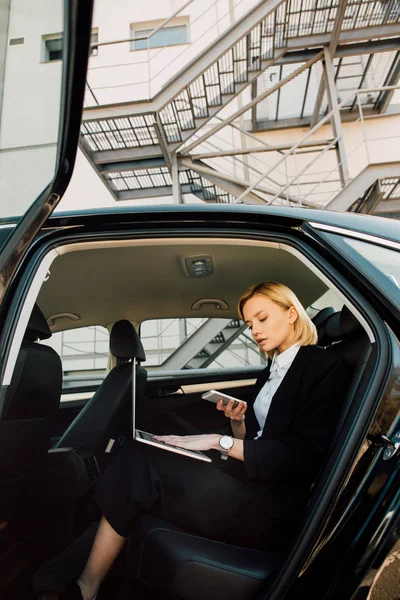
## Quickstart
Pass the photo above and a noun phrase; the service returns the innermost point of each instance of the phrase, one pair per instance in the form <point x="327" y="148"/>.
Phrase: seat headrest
<point x="37" y="327"/>
<point x="341" y="324"/>
<point x="320" y="318"/>
<point x="125" y="342"/>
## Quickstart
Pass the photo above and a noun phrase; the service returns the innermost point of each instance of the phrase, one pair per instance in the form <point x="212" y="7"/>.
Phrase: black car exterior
<point x="335" y="557"/>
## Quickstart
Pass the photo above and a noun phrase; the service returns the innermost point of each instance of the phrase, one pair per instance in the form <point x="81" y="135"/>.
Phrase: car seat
<point x="194" y="568"/>
<point x="89" y="433"/>
<point x="29" y="411"/>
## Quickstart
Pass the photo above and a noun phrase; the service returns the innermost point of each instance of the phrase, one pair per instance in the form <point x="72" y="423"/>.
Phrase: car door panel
<point x="172" y="405"/>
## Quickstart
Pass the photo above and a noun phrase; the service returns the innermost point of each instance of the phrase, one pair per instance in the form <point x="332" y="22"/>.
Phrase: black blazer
<point x="301" y="420"/>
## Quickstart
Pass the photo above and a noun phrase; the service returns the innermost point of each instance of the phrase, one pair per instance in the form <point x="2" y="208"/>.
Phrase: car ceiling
<point x="140" y="281"/>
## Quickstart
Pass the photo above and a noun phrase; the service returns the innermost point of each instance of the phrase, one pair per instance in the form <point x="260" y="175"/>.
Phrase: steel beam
<point x="357" y="186"/>
<point x="132" y="165"/>
<point x="163" y="142"/>
<point x="393" y="79"/>
<point x="254" y="109"/>
<point x="253" y="102"/>
<point x="236" y="187"/>
<point x="293" y="123"/>
<point x="255" y="150"/>
<point x="155" y="192"/>
<point x="332" y="49"/>
<point x="196" y="342"/>
<point x="336" y="121"/>
<point x="176" y="188"/>
<point x="231" y="188"/>
<point x="346" y="37"/>
<point x="243" y="184"/>
<point x="375" y="47"/>
<point x="125" y="154"/>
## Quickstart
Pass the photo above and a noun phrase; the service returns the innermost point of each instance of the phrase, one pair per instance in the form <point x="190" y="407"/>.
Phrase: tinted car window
<point x="82" y="349"/>
<point x="384" y="259"/>
<point x="380" y="264"/>
<point x="210" y="343"/>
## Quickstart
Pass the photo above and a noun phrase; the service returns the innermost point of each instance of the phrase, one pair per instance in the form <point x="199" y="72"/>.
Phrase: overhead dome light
<point x="199" y="266"/>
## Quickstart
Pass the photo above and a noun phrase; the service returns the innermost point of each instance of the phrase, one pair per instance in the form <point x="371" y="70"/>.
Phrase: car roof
<point x="373" y="225"/>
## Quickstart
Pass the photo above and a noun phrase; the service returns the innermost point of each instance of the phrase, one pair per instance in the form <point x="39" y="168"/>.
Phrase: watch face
<point x="226" y="442"/>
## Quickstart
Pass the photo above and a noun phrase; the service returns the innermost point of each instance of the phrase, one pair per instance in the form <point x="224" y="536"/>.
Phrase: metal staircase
<point x="196" y="94"/>
<point x="220" y="342"/>
<point x="203" y="346"/>
<point x="146" y="148"/>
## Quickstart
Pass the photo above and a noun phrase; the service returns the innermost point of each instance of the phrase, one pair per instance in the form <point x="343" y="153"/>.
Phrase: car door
<point x="39" y="126"/>
<point x="366" y="535"/>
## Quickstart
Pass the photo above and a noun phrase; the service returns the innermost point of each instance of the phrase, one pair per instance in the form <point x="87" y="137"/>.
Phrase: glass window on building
<point x="94" y="38"/>
<point x="53" y="48"/>
<point x="168" y="36"/>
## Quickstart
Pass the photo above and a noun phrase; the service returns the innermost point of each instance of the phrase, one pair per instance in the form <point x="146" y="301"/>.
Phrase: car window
<point x="199" y="343"/>
<point x="384" y="259"/>
<point x="378" y="263"/>
<point x="84" y="356"/>
<point x="30" y="99"/>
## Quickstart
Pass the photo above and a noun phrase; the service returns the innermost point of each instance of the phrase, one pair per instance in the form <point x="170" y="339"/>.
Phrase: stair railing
<point x="364" y="145"/>
<point x="294" y="181"/>
<point x="154" y="76"/>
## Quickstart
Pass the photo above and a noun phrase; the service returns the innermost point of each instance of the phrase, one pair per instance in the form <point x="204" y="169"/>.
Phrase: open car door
<point x="43" y="76"/>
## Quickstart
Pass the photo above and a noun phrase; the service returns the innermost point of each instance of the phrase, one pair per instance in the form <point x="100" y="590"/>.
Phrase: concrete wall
<point x="119" y="73"/>
<point x="30" y="105"/>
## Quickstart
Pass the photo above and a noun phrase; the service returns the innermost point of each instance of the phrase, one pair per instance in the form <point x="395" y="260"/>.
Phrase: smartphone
<point x="214" y="396"/>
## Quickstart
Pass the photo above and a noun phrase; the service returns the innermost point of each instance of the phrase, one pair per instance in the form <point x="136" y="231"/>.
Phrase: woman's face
<point x="271" y="326"/>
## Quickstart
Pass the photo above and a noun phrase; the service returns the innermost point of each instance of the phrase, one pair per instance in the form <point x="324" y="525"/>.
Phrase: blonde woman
<point x="277" y="445"/>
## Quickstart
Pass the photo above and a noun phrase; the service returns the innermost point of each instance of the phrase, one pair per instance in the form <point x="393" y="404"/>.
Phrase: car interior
<point x="72" y="434"/>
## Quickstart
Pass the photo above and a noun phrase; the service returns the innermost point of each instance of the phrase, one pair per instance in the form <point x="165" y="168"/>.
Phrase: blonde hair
<point x="304" y="329"/>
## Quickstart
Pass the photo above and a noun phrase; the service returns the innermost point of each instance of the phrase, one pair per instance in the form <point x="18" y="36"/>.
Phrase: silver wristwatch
<point x="225" y="444"/>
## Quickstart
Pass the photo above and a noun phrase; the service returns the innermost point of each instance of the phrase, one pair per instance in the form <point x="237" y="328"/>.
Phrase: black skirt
<point x="214" y="500"/>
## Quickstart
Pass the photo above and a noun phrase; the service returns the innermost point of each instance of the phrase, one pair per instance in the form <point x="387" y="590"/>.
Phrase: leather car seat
<point x="89" y="433"/>
<point x="190" y="567"/>
<point x="319" y="321"/>
<point x="29" y="412"/>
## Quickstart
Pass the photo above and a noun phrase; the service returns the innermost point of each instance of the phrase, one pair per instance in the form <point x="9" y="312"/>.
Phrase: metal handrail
<point x="151" y="57"/>
<point x="323" y="121"/>
<point x="364" y="141"/>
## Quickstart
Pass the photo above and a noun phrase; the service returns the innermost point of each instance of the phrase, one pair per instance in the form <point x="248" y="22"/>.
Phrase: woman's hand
<point x="209" y="441"/>
<point x="235" y="414"/>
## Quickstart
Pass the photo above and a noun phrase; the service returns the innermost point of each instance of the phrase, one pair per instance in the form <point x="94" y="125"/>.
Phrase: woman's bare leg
<point x="106" y="547"/>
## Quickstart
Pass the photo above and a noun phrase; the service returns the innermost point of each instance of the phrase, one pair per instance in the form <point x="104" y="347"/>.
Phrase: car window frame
<point x="23" y="307"/>
<point x="376" y="281"/>
<point x="381" y="367"/>
<point x="77" y="35"/>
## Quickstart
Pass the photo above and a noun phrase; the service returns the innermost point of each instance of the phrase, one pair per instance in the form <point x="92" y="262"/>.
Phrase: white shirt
<point x="279" y="367"/>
